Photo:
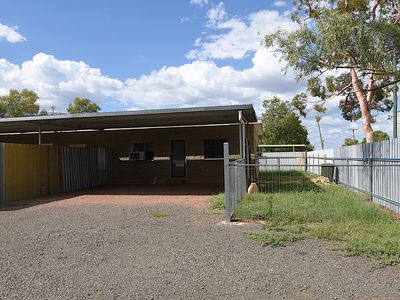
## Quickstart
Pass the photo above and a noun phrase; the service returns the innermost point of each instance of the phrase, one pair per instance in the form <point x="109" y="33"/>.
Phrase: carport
<point x="163" y="146"/>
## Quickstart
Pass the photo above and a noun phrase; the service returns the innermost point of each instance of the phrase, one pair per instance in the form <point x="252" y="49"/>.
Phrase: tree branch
<point x="343" y="90"/>
<point x="374" y="8"/>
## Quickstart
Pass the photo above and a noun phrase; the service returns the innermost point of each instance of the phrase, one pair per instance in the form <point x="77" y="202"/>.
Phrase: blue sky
<point x="124" y="38"/>
<point x="151" y="54"/>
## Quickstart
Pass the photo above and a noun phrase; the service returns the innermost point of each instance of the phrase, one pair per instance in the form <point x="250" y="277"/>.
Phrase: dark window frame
<point x="214" y="148"/>
<point x="147" y="148"/>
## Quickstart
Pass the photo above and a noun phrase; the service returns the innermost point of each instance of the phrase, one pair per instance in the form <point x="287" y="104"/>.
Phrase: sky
<point x="143" y="54"/>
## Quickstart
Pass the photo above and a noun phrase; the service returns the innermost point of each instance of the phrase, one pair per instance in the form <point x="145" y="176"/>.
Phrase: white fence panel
<point x="281" y="160"/>
<point x="316" y="157"/>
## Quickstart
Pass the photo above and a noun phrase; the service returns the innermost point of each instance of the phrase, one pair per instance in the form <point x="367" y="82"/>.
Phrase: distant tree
<point x="282" y="124"/>
<point x="379" y="136"/>
<point x="82" y="105"/>
<point x="19" y="104"/>
<point x="43" y="112"/>
<point x="350" y="142"/>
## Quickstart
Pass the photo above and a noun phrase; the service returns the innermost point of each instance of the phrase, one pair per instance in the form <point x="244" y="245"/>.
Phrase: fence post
<point x="347" y="173"/>
<point x="334" y="170"/>
<point x="227" y="184"/>
<point x="305" y="160"/>
<point x="371" y="178"/>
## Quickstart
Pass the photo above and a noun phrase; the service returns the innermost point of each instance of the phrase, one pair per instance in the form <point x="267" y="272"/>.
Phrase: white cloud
<point x="10" y="34"/>
<point x="199" y="83"/>
<point x="57" y="82"/>
<point x="279" y="3"/>
<point x="239" y="37"/>
<point x="216" y="14"/>
<point x="200" y="3"/>
<point x="184" y="19"/>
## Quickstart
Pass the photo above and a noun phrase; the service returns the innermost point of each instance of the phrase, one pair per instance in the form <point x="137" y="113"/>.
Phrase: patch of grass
<point x="160" y="214"/>
<point x="277" y="236"/>
<point x="286" y="181"/>
<point x="330" y="212"/>
<point x="217" y="201"/>
<point x="379" y="240"/>
<point x="334" y="203"/>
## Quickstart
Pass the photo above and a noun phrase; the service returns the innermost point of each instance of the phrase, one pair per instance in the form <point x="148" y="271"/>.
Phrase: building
<point x="64" y="153"/>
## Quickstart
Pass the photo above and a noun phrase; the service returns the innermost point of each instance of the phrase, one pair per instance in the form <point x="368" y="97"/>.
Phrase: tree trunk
<point x="364" y="105"/>
<point x="320" y="136"/>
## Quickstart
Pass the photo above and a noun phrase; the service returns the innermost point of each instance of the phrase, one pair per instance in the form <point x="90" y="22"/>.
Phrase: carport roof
<point x="131" y="119"/>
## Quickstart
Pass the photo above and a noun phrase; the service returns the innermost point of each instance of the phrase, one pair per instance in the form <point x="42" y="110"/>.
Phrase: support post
<point x="244" y="142"/>
<point x="334" y="171"/>
<point x="240" y="140"/>
<point x="40" y="135"/>
<point x="242" y="136"/>
<point x="228" y="206"/>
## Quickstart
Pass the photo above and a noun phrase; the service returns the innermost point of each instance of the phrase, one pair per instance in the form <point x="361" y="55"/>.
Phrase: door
<point x="178" y="159"/>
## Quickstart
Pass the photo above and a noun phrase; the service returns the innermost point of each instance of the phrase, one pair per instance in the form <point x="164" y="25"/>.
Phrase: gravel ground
<point x="107" y="245"/>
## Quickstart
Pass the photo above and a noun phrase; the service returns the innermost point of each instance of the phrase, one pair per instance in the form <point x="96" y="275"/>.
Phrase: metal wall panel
<point x="84" y="167"/>
<point x="29" y="171"/>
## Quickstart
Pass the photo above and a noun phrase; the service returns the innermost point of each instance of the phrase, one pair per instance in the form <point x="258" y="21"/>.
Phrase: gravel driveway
<point x="108" y="245"/>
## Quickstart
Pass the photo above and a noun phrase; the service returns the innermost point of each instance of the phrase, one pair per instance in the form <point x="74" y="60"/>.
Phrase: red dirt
<point x="132" y="195"/>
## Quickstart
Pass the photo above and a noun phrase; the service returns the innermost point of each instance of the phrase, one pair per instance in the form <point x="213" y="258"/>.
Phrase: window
<point x="146" y="148"/>
<point x="149" y="151"/>
<point x="214" y="148"/>
<point x="138" y="147"/>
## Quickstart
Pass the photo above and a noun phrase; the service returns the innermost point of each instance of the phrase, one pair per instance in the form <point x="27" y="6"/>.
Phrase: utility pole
<point x="354" y="130"/>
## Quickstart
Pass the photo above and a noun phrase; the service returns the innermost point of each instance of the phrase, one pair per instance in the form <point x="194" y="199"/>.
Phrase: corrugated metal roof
<point x="130" y="119"/>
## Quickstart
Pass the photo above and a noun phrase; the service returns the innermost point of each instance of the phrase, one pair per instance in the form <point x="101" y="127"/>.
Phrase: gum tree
<point x="19" y="104"/>
<point x="282" y="124"/>
<point x="82" y="105"/>
<point x="345" y="48"/>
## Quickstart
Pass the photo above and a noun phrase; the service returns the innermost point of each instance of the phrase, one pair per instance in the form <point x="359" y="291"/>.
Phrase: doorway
<point x="178" y="159"/>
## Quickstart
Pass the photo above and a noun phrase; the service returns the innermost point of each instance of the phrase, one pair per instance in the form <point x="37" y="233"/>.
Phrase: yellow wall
<point x="30" y="171"/>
